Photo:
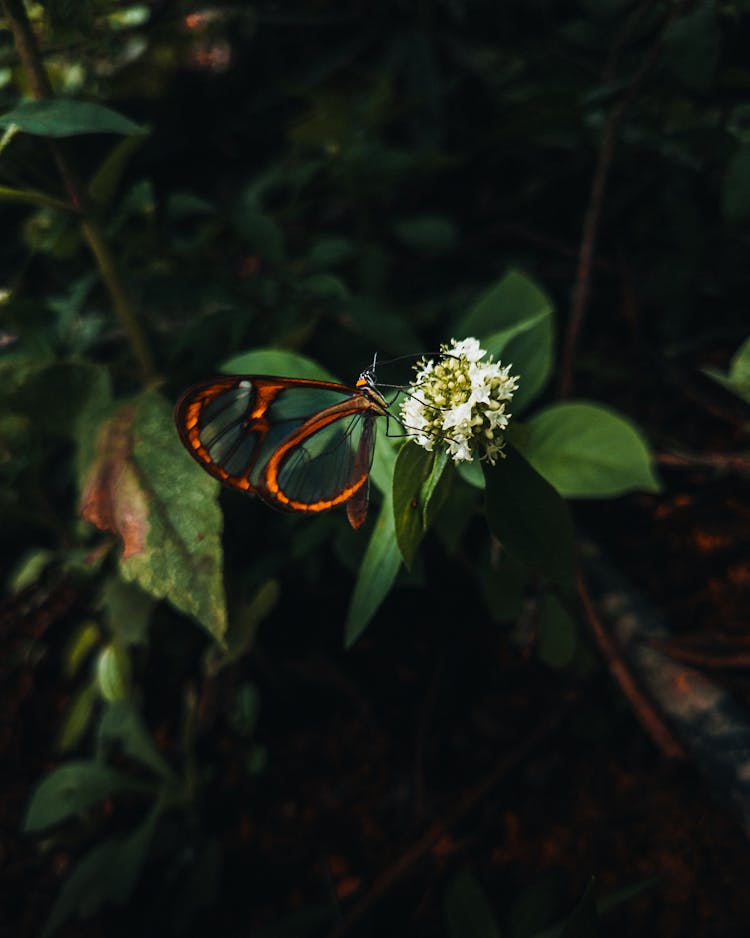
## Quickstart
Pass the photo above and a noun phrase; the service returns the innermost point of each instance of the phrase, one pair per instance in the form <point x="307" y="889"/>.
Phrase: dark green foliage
<point x="294" y="188"/>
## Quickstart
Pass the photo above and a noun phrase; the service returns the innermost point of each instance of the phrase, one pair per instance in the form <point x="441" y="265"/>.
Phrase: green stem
<point x="91" y="229"/>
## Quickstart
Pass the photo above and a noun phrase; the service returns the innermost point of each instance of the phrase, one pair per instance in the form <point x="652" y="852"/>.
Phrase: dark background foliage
<point x="339" y="179"/>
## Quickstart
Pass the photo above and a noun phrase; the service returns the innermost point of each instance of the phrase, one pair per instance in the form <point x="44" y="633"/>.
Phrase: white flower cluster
<point x="460" y="401"/>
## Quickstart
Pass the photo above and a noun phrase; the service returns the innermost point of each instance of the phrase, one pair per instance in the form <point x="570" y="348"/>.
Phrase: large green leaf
<point x="588" y="451"/>
<point x="73" y="788"/>
<point x="65" y="117"/>
<point x="376" y="575"/>
<point x="107" y="873"/>
<point x="418" y="494"/>
<point x="413" y="465"/>
<point x="142" y="486"/>
<point x="514" y="321"/>
<point x="529" y="518"/>
<point x="276" y="361"/>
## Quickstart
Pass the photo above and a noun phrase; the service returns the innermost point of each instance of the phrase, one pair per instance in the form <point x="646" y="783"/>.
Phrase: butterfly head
<point x="367" y="377"/>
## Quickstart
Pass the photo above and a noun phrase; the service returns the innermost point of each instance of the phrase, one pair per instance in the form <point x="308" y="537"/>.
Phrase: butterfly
<point x="300" y="445"/>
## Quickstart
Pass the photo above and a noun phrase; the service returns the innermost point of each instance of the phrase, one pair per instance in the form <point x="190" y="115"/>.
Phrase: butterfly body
<point x="300" y="445"/>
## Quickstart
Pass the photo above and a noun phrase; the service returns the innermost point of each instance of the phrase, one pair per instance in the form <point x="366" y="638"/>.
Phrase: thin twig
<point x="729" y="660"/>
<point x="391" y="876"/>
<point x="36" y="74"/>
<point x="643" y="707"/>
<point x="582" y="285"/>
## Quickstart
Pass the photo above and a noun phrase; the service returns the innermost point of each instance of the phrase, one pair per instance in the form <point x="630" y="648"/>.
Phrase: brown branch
<point x="91" y="229"/>
<point x="582" y="284"/>
<point x="420" y="848"/>
<point x="644" y="708"/>
<point x="736" y="462"/>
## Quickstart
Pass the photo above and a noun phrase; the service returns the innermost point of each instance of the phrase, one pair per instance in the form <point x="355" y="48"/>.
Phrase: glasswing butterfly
<point x="300" y="445"/>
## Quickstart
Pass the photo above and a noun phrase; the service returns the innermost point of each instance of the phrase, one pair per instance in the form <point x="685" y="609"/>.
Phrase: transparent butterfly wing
<point x="300" y="445"/>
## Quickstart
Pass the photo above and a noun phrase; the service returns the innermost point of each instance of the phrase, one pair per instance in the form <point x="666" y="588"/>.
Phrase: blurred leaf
<point x="30" y="566"/>
<point x="58" y="396"/>
<point x="529" y="518"/>
<point x="243" y="627"/>
<point x="275" y="361"/>
<point x="113" y="673"/>
<point x="534" y="908"/>
<point x="107" y="873"/>
<point x="584" y="920"/>
<point x="514" y="321"/>
<point x="589" y="451"/>
<point x="735" y="189"/>
<point x="329" y="252"/>
<point x="86" y="636"/>
<point x="121" y="723"/>
<point x="72" y="789"/>
<point x="325" y="286"/>
<point x="262" y="233"/>
<point x="737" y="379"/>
<point x="466" y="911"/>
<point x="106" y="181"/>
<point x="503" y="581"/>
<point x="244" y="714"/>
<point x="692" y="46"/>
<point x="557" y="636"/>
<point x="426" y="234"/>
<point x="65" y="117"/>
<point x="77" y="718"/>
<point x="376" y="575"/>
<point x="128" y="609"/>
<point x="143" y="487"/>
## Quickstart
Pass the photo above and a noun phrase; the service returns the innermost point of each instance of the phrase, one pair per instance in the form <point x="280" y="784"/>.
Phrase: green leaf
<point x="72" y="789"/>
<point x="413" y="467"/>
<point x="77" y="718"/>
<point x="84" y="639"/>
<point x="692" y="46"/>
<point x="557" y="637"/>
<point x="376" y="575"/>
<point x="58" y="396"/>
<point x="243" y="627"/>
<point x="529" y="518"/>
<point x="466" y="910"/>
<point x="113" y="673"/>
<point x="142" y="486"/>
<point x="426" y="234"/>
<point x="261" y="233"/>
<point x="107" y="873"/>
<point x="737" y="379"/>
<point x="106" y="181"/>
<point x="275" y="361"/>
<point x="589" y="451"/>
<point x="735" y="189"/>
<point x="436" y="488"/>
<point x="514" y="321"/>
<point x="128" y="610"/>
<point x="121" y="723"/>
<point x="65" y="117"/>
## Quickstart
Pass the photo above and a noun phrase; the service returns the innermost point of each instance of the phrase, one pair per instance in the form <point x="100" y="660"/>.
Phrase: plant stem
<point x="91" y="228"/>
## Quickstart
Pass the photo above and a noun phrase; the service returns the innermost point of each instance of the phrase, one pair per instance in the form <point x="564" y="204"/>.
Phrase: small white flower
<point x="460" y="401"/>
